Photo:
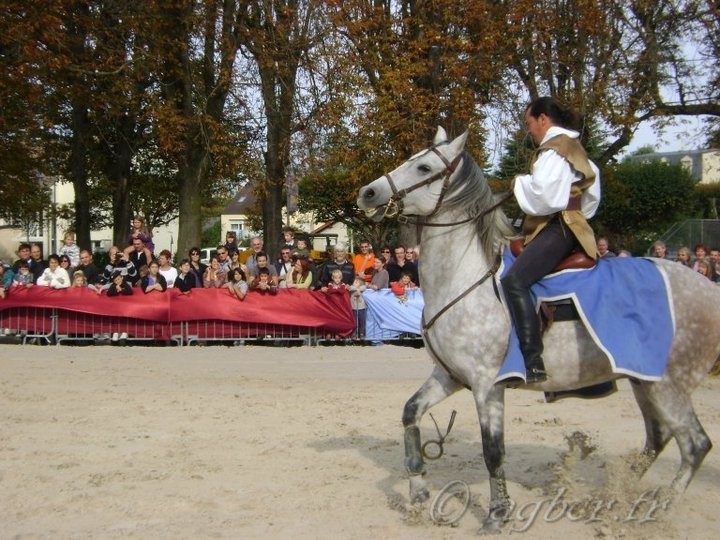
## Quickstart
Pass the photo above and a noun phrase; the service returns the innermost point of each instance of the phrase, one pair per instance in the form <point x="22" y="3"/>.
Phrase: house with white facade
<point x="703" y="165"/>
<point x="49" y="231"/>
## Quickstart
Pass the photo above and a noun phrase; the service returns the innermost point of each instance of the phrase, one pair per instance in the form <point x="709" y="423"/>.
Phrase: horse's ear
<point x="440" y="136"/>
<point x="458" y="144"/>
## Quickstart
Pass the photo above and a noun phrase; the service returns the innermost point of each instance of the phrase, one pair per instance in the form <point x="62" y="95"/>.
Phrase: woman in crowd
<point x="380" y="278"/>
<point x="214" y="277"/>
<point x="54" y="276"/>
<point x="300" y="277"/>
<point x="683" y="257"/>
<point x="236" y="284"/>
<point x="66" y="264"/>
<point x="197" y="267"/>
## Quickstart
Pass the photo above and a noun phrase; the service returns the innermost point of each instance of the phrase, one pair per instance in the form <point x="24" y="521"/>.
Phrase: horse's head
<point x="418" y="186"/>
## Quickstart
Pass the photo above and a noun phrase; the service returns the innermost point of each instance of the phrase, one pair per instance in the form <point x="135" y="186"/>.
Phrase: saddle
<point x="559" y="310"/>
<point x="577" y="259"/>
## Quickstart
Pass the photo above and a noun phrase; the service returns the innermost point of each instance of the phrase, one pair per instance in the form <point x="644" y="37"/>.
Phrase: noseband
<point x="395" y="204"/>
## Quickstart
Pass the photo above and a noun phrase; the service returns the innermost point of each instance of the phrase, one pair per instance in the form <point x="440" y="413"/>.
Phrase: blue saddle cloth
<point x="624" y="304"/>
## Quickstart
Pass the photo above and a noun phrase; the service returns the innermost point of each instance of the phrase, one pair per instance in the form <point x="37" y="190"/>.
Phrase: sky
<point x="689" y="134"/>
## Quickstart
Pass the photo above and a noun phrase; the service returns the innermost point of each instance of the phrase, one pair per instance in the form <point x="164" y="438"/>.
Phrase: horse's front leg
<point x="438" y="386"/>
<point x="491" y="411"/>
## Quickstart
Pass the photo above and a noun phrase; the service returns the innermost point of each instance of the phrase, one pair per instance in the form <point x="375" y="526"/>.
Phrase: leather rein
<point x="395" y="205"/>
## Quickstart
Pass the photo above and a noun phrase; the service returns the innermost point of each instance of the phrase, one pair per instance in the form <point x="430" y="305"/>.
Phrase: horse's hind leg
<point x="670" y="410"/>
<point x="438" y="386"/>
<point x="657" y="432"/>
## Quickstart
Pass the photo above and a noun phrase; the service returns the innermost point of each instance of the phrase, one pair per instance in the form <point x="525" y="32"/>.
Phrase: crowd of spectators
<point x="136" y="268"/>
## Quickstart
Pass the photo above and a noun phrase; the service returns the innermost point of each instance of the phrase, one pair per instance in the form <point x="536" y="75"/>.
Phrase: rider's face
<point x="537" y="127"/>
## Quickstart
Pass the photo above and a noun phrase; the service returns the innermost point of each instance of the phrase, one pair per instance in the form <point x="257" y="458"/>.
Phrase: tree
<point x="641" y="200"/>
<point x="615" y="62"/>
<point x="194" y="50"/>
<point x="279" y="36"/>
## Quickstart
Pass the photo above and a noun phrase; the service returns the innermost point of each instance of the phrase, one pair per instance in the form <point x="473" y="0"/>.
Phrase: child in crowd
<point x="6" y="277"/>
<point x="704" y="268"/>
<point x="263" y="282"/>
<point x="289" y="237"/>
<point x="400" y="288"/>
<point x="301" y="250"/>
<point x="358" y="305"/>
<point x="119" y="286"/>
<point x="79" y="279"/>
<point x="231" y="244"/>
<point x="236" y="284"/>
<point x="71" y="249"/>
<point x="139" y="230"/>
<point x="186" y="279"/>
<point x="142" y="272"/>
<point x="335" y="285"/>
<point x="23" y="277"/>
<point x="154" y="280"/>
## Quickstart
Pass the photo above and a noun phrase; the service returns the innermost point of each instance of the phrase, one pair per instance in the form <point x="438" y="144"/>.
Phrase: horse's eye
<point x="424" y="168"/>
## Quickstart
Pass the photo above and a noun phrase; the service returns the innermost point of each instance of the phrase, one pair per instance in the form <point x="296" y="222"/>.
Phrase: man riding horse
<point x="559" y="195"/>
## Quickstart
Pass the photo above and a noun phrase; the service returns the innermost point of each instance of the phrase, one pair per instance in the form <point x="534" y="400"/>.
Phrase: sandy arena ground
<point x="265" y="442"/>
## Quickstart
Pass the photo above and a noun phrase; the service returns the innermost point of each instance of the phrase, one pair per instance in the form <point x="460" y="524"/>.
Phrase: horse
<point x="466" y="325"/>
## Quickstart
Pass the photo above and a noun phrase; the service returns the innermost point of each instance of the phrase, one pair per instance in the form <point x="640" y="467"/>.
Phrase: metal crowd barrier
<point x="48" y="326"/>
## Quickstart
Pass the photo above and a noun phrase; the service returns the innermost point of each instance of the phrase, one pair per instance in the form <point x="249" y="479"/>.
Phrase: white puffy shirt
<point x="59" y="279"/>
<point x="547" y="189"/>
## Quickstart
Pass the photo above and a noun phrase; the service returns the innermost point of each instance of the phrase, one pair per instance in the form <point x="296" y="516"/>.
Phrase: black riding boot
<point x="527" y="326"/>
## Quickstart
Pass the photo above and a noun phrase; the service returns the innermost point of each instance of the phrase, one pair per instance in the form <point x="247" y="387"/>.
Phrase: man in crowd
<point x="87" y="266"/>
<point x="338" y="262"/>
<point x="400" y="264"/>
<point x="37" y="264"/>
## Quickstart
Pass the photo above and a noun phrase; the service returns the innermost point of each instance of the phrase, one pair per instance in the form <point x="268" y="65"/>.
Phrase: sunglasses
<point x="386" y="251"/>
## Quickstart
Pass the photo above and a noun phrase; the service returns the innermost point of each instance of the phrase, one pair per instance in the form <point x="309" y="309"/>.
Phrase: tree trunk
<point x="79" y="174"/>
<point x="273" y="203"/>
<point x="190" y="179"/>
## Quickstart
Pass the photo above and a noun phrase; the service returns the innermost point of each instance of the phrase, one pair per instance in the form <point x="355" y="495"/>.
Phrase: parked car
<point x="206" y="254"/>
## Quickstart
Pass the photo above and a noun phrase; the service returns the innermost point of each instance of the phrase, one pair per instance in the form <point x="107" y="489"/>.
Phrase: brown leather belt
<point x="574" y="203"/>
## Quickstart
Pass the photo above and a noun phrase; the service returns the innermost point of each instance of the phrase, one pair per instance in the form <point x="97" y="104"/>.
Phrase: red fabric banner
<point x="298" y="307"/>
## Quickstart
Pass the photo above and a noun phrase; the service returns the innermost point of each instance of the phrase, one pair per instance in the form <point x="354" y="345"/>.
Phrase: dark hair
<point x="183" y="261"/>
<point x="559" y="114"/>
<point x="260" y="254"/>
<point x="54" y="257"/>
<point x="264" y="271"/>
<point x="167" y="253"/>
<point x="197" y="249"/>
<point x="234" y="271"/>
<point x="305" y="265"/>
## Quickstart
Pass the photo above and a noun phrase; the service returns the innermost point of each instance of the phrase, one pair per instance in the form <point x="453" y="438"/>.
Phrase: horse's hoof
<point x="419" y="496"/>
<point x="491" y="526"/>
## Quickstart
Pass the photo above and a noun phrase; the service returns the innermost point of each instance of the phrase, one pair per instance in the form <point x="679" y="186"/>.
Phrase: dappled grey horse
<point x="466" y="326"/>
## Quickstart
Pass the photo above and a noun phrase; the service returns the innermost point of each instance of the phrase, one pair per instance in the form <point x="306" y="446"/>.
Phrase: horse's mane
<point x="471" y="192"/>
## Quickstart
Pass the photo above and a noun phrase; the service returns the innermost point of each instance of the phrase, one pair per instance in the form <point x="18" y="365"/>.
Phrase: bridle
<point x="395" y="203"/>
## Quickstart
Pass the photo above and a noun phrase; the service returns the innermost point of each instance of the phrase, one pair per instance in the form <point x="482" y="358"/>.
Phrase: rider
<point x="559" y="195"/>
